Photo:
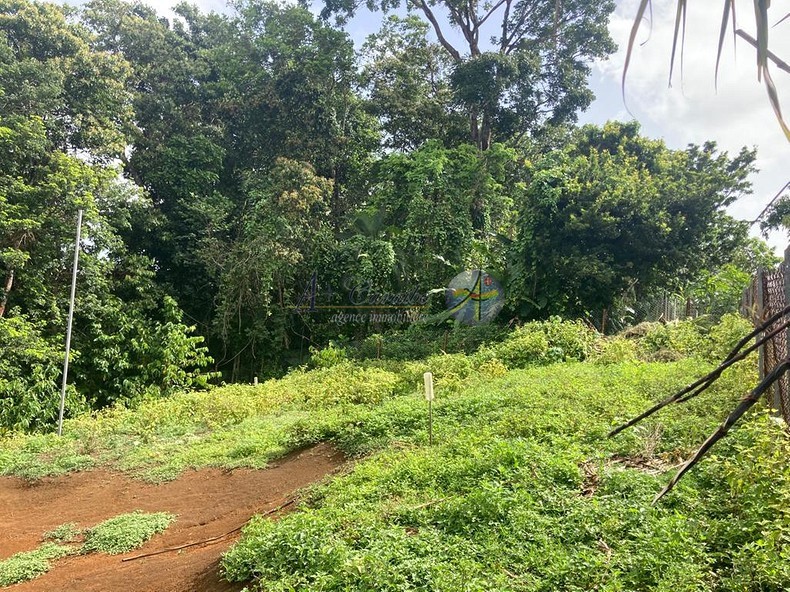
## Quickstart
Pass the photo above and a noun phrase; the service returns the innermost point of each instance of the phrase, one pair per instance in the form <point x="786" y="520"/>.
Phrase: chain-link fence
<point x="767" y="295"/>
<point x="663" y="307"/>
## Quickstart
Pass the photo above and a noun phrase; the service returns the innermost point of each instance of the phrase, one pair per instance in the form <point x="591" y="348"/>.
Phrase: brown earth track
<point x="208" y="503"/>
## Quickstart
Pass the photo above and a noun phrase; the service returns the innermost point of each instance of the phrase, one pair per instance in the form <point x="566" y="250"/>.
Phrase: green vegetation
<point x="119" y="534"/>
<point x="233" y="167"/>
<point x="125" y="532"/>
<point x="31" y="564"/>
<point x="248" y="426"/>
<point x="521" y="491"/>
<point x="247" y="174"/>
<point x="524" y="492"/>
<point x="65" y="533"/>
<point x="363" y="405"/>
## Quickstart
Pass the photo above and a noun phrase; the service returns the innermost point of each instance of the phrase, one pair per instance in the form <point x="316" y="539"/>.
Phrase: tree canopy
<point x="233" y="165"/>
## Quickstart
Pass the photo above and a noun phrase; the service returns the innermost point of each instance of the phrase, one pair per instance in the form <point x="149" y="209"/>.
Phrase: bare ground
<point x="208" y="503"/>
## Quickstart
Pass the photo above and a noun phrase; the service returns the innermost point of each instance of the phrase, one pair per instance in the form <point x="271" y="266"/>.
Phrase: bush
<point x="449" y="371"/>
<point x="541" y="342"/>
<point x="344" y="382"/>
<point x="331" y="355"/>
<point x="30" y="371"/>
<point x="419" y="341"/>
<point x="523" y="348"/>
<point x="688" y="338"/>
<point x="614" y="350"/>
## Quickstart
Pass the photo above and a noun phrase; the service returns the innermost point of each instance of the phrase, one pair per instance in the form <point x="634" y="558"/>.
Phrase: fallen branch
<point x="736" y="354"/>
<point x="746" y="404"/>
<point x="210" y="540"/>
<point x="703" y="383"/>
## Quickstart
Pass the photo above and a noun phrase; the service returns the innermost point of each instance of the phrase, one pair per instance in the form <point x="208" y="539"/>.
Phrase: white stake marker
<point x="428" y="378"/>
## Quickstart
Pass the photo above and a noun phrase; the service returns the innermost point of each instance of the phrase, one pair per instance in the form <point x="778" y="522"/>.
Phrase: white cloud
<point x="692" y="111"/>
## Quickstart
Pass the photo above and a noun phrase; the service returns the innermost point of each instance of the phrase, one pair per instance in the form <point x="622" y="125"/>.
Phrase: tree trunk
<point x="9" y="283"/>
<point x="485" y="133"/>
<point x="474" y="128"/>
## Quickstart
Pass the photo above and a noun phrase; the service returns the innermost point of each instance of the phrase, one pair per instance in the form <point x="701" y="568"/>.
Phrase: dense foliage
<point x="247" y="175"/>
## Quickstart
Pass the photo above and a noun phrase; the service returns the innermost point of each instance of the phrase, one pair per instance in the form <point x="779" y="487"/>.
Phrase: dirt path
<point x="207" y="503"/>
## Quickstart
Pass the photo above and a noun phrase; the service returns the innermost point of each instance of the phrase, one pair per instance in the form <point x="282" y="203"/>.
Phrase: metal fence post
<point x="759" y="312"/>
<point x="781" y="393"/>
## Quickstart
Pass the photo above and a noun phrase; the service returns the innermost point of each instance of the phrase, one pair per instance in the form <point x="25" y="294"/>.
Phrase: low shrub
<point x="614" y="350"/>
<point x="30" y="564"/>
<point x="542" y="342"/>
<point x="125" y="532"/>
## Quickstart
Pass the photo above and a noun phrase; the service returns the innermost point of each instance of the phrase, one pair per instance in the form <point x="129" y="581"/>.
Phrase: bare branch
<point x="503" y="41"/>
<point x="700" y="385"/>
<point x="422" y="5"/>
<point x="746" y="404"/>
<point x="490" y="12"/>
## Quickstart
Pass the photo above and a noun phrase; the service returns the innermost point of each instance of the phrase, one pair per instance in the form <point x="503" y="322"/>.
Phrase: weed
<point x="125" y="532"/>
<point x="31" y="564"/>
<point x="65" y="533"/>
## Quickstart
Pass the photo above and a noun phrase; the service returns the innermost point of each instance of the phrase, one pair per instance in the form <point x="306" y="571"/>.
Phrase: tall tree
<point x="518" y="65"/>
<point x="65" y="113"/>
<point x="220" y="99"/>
<point x="613" y="210"/>
<point x="408" y="78"/>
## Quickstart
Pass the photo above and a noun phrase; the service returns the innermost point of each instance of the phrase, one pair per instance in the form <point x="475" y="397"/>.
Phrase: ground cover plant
<point x="125" y="532"/>
<point x="522" y="490"/>
<point x="114" y="536"/>
<point x="31" y="564"/>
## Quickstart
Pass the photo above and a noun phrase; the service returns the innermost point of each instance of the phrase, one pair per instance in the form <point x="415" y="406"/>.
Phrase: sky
<point x="693" y="109"/>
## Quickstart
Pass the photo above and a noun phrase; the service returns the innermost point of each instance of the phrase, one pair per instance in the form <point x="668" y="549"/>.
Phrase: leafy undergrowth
<point x="361" y="405"/>
<point x="125" y="532"/>
<point x="523" y="492"/>
<point x="116" y="535"/>
<point x="31" y="564"/>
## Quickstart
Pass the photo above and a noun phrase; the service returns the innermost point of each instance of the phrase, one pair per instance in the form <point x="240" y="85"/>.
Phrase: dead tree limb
<point x="736" y="354"/>
<point x="746" y="403"/>
<point x="703" y="383"/>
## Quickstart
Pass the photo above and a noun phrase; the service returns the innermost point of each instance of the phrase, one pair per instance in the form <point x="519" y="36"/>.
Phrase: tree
<point x="408" y="78"/>
<point x="219" y="100"/>
<point x="65" y="113"/>
<point x="777" y="214"/>
<point x="437" y="203"/>
<point x="520" y="65"/>
<point x="614" y="210"/>
<point x="281" y="232"/>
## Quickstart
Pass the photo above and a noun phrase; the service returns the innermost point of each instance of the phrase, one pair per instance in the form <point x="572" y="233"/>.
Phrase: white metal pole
<point x="68" y="326"/>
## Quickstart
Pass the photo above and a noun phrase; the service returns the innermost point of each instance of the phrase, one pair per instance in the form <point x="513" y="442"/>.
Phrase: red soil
<point x="207" y="503"/>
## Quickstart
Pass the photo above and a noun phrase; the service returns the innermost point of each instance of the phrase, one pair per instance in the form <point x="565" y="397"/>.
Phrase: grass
<point x="31" y="564"/>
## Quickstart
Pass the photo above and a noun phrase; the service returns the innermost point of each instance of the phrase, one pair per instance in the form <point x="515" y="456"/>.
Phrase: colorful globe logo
<point x="474" y="297"/>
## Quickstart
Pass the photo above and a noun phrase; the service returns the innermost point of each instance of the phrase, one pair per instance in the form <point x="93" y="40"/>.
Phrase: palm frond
<point x="640" y="14"/>
<point x="729" y="10"/>
<point x="680" y="19"/>
<point x="728" y="14"/>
